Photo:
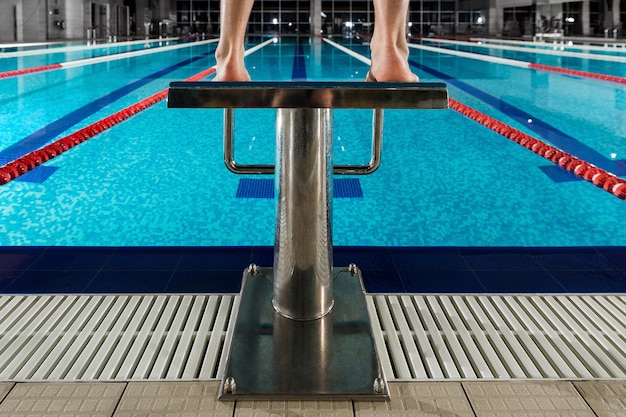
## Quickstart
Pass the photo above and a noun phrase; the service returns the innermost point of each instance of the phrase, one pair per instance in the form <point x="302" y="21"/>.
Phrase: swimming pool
<point x="157" y="178"/>
<point x="15" y="58"/>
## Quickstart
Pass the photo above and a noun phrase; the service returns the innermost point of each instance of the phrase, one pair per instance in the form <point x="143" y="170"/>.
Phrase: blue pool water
<point x="610" y="61"/>
<point x="147" y="206"/>
<point x="157" y="178"/>
<point x="20" y="58"/>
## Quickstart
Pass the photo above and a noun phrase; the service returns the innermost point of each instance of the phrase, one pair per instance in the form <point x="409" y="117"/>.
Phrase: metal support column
<point x="303" y="244"/>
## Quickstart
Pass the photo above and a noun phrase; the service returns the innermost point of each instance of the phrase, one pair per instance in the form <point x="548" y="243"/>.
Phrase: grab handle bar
<point x="348" y="169"/>
<point x="359" y="95"/>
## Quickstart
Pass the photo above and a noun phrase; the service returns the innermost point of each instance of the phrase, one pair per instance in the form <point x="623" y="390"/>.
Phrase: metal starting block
<point x="303" y="330"/>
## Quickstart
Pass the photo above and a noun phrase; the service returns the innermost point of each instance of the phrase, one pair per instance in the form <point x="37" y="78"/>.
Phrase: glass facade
<point x="426" y="17"/>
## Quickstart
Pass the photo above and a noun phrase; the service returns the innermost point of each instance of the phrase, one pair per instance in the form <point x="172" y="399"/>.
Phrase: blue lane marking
<point x="347" y="188"/>
<point x="298" y="72"/>
<point x="264" y="188"/>
<point x="560" y="139"/>
<point x="49" y="132"/>
<point x="558" y="174"/>
<point x="37" y="175"/>
<point x="255" y="188"/>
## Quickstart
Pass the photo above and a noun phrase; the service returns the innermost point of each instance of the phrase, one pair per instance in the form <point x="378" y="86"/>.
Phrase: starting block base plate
<point x="332" y="358"/>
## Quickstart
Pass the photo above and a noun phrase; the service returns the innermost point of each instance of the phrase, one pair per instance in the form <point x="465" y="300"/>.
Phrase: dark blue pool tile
<point x="13" y="258"/>
<point x="439" y="269"/>
<point x="73" y="258"/>
<point x="6" y="277"/>
<point x="441" y="282"/>
<point x="215" y="258"/>
<point x="144" y="259"/>
<point x="591" y="281"/>
<point x="615" y="255"/>
<point x="498" y="259"/>
<point x="263" y="256"/>
<point x="50" y="282"/>
<point x="370" y="259"/>
<point x="429" y="259"/>
<point x="571" y="259"/>
<point x="519" y="282"/>
<point x="205" y="282"/>
<point x="121" y="282"/>
<point x="382" y="282"/>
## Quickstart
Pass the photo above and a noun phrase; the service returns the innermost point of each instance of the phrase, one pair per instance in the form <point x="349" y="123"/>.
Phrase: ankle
<point x="230" y="64"/>
<point x="390" y="63"/>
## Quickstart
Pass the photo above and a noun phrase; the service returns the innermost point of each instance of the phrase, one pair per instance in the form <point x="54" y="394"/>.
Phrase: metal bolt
<point x="229" y="385"/>
<point x="352" y="269"/>
<point x="379" y="386"/>
<point x="253" y="269"/>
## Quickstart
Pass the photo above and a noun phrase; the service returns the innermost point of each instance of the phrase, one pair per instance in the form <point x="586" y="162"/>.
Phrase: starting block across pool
<point x="303" y="330"/>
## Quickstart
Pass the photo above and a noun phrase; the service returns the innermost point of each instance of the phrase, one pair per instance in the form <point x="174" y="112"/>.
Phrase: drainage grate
<point x="501" y="337"/>
<point x="123" y="337"/>
<point x="434" y="337"/>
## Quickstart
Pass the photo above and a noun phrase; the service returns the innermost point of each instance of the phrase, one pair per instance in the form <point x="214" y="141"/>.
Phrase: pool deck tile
<point x="606" y="398"/>
<point x="187" y="399"/>
<point x="419" y="399"/>
<point x="62" y="399"/>
<point x="414" y="399"/>
<point x="524" y="398"/>
<point x="294" y="408"/>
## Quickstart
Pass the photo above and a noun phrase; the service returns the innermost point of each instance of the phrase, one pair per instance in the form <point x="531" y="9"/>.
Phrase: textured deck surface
<point x="188" y="399"/>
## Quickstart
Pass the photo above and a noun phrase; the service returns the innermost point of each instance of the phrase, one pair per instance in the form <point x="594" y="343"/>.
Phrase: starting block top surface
<point x="309" y="94"/>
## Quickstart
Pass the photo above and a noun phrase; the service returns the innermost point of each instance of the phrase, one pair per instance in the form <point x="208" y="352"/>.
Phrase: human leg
<point x="388" y="46"/>
<point x="234" y="15"/>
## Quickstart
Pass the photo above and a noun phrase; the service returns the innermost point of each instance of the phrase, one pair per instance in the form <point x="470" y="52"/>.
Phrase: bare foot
<point x="230" y="66"/>
<point x="231" y="73"/>
<point x="390" y="63"/>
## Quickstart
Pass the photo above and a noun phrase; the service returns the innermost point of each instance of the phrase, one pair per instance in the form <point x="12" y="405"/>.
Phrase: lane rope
<point x="26" y="71"/>
<point x="107" y="45"/>
<point x="578" y="73"/>
<point x="539" y="51"/>
<point x="31" y="160"/>
<point x="610" y="46"/>
<point x="100" y="59"/>
<point x="521" y="64"/>
<point x="597" y="176"/>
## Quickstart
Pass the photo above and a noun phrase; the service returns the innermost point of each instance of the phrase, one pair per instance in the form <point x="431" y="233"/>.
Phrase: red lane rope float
<point x="551" y="68"/>
<point x="15" y="73"/>
<point x="31" y="160"/>
<point x="597" y="176"/>
<point x="578" y="73"/>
